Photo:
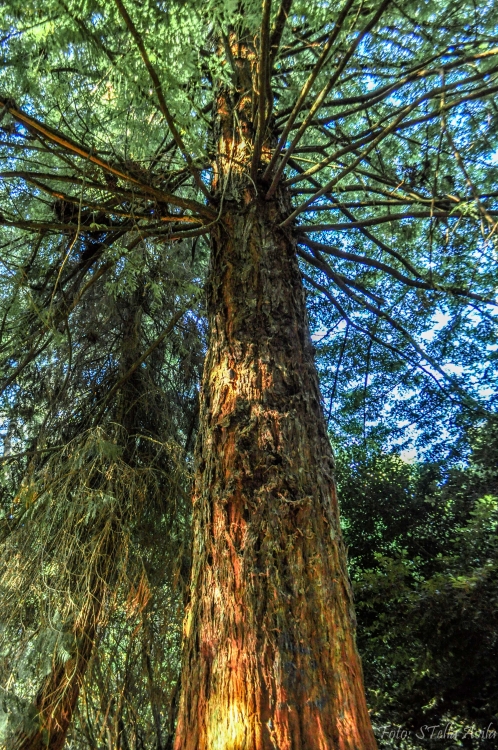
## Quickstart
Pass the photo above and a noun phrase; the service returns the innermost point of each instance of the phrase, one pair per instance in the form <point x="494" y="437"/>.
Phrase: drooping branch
<point x="119" y="384"/>
<point x="372" y="336"/>
<point x="35" y="350"/>
<point x="335" y="275"/>
<point x="365" y="232"/>
<point x="419" y="283"/>
<point x="41" y="334"/>
<point x="382" y="314"/>
<point x="379" y="313"/>
<point x="339" y="361"/>
<point x="385" y="219"/>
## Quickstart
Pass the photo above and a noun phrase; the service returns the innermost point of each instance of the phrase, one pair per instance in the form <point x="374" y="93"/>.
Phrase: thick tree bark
<point x="269" y="651"/>
<point x="57" y="697"/>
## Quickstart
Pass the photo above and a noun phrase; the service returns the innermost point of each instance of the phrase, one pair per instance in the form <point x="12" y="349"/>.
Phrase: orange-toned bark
<point x="57" y="697"/>
<point x="269" y="658"/>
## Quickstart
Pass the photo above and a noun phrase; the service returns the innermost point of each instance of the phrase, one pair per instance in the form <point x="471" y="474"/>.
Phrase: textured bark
<point x="269" y="652"/>
<point x="57" y="697"/>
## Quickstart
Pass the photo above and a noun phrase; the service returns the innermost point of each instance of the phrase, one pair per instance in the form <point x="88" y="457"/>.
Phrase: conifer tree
<point x="103" y="476"/>
<point x="347" y="145"/>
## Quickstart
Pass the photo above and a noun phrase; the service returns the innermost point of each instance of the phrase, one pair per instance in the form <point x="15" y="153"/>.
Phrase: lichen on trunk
<point x="269" y="658"/>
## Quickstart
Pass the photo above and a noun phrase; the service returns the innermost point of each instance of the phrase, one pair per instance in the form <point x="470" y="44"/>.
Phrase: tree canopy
<point x="383" y="119"/>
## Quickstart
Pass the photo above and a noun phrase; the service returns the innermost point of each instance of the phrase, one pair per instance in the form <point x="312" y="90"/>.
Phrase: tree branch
<point x="365" y="232"/>
<point x="391" y="347"/>
<point x="397" y="124"/>
<point x="174" y="320"/>
<point x="160" y="96"/>
<point x="68" y="144"/>
<point x="307" y="86"/>
<point x="328" y="187"/>
<point x="417" y="283"/>
<point x="334" y="275"/>
<point x="264" y="84"/>
<point x="278" y="29"/>
<point x="323" y="93"/>
<point x="420" y="351"/>
<point x="384" y="219"/>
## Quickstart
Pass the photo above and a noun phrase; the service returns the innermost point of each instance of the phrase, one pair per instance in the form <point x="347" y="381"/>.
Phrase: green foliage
<point x="426" y="590"/>
<point x="76" y="67"/>
<point x="94" y="503"/>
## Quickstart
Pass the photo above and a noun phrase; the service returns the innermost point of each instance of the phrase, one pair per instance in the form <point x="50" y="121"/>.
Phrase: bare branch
<point x="309" y="83"/>
<point x="323" y="93"/>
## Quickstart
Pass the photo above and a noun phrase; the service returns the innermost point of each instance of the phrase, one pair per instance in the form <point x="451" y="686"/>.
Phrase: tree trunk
<point x="269" y="653"/>
<point x="57" y="697"/>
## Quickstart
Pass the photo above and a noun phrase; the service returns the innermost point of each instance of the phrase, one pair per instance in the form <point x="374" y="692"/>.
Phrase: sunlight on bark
<point x="228" y="732"/>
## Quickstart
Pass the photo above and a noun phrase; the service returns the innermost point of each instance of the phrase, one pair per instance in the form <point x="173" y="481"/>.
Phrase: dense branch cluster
<point x="379" y="120"/>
